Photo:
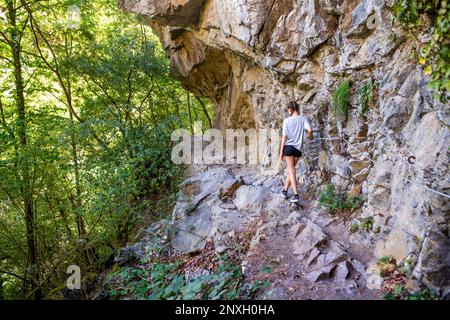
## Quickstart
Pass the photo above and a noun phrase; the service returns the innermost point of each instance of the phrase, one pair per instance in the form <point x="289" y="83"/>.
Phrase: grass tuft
<point x="341" y="100"/>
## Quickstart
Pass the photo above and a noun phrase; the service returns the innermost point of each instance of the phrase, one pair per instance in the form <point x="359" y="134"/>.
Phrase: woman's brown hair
<point x="293" y="106"/>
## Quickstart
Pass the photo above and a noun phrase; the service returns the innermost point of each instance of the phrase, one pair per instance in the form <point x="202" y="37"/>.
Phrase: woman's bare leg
<point x="291" y="170"/>
<point x="287" y="183"/>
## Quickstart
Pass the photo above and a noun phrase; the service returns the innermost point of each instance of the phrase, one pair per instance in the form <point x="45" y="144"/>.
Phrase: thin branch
<point x="32" y="54"/>
<point x="205" y="111"/>
<point x="7" y="59"/>
<point x="105" y="92"/>
<point x="130" y="89"/>
<point x="8" y="256"/>
<point x="30" y="77"/>
<point x="5" y="38"/>
<point x="12" y="199"/>
<point x="11" y="237"/>
<point x="23" y="29"/>
<point x="3" y="115"/>
<point x="16" y="275"/>
<point x="147" y="95"/>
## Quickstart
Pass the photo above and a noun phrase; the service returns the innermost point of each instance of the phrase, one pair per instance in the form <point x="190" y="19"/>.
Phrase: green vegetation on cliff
<point x="434" y="53"/>
<point x="333" y="201"/>
<point x="341" y="100"/>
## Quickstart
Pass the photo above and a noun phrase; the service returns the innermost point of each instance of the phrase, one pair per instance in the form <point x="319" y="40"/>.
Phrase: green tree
<point x="86" y="114"/>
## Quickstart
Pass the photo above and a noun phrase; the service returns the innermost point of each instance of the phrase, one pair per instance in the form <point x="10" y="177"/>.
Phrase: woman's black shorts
<point x="291" y="151"/>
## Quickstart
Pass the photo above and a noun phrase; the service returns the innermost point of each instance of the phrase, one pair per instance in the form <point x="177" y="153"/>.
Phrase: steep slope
<point x="251" y="57"/>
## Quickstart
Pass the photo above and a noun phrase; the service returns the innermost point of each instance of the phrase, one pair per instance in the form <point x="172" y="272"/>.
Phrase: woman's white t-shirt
<point x="294" y="128"/>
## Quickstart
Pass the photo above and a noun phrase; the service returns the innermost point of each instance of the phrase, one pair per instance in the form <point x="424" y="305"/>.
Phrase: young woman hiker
<point x="291" y="142"/>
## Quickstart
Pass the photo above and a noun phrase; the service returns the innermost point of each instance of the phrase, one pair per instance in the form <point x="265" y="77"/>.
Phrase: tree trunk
<point x="89" y="255"/>
<point x="189" y="112"/>
<point x="26" y="188"/>
<point x="2" y="295"/>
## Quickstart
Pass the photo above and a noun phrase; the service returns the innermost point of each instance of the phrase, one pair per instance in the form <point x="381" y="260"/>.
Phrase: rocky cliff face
<point x="253" y="56"/>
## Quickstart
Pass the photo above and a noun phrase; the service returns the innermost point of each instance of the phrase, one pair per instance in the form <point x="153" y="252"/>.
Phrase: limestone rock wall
<point x="253" y="56"/>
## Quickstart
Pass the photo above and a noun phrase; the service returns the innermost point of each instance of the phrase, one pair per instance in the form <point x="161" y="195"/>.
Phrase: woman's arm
<point x="310" y="134"/>
<point x="309" y="129"/>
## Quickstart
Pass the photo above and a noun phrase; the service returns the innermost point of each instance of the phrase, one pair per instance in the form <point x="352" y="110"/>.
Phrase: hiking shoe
<point x="284" y="193"/>
<point x="295" y="199"/>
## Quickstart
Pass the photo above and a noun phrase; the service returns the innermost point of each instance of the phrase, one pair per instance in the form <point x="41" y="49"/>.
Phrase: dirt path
<point x="306" y="254"/>
<point x="300" y="250"/>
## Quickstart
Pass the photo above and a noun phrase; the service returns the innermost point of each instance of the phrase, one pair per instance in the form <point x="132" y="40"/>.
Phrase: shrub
<point x="367" y="224"/>
<point x="165" y="281"/>
<point x="333" y="201"/>
<point x="400" y="293"/>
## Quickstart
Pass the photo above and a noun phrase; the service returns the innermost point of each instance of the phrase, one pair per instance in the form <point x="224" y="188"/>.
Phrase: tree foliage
<point x="86" y="112"/>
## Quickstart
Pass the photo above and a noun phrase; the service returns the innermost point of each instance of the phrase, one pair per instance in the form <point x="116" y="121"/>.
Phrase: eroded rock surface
<point x="310" y="254"/>
<point x="252" y="57"/>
